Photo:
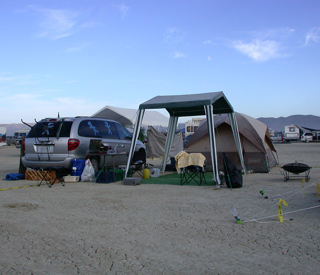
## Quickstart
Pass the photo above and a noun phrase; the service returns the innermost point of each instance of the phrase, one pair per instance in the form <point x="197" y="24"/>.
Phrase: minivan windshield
<point x="51" y="129"/>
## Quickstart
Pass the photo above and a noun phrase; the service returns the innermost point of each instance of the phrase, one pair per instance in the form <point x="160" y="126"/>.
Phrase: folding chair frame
<point x="47" y="180"/>
<point x="136" y="167"/>
<point x="192" y="173"/>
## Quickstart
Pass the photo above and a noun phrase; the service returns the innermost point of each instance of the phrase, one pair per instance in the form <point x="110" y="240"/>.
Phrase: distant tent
<point x="157" y="141"/>
<point x="258" y="150"/>
<point x="127" y="116"/>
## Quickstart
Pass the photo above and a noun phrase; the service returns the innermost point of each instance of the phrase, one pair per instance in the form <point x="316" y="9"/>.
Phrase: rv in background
<point x="291" y="133"/>
<point x="192" y="125"/>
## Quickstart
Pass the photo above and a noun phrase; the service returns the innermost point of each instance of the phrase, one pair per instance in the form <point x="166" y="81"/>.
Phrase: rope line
<point x="296" y="192"/>
<point x="282" y="195"/>
<point x="299" y="210"/>
<point x="278" y="147"/>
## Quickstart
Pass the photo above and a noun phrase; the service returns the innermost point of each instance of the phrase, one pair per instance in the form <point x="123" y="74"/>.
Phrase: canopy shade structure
<point x="127" y="116"/>
<point x="189" y="105"/>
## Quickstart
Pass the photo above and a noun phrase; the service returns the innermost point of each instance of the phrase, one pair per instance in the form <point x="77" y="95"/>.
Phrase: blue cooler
<point x="77" y="167"/>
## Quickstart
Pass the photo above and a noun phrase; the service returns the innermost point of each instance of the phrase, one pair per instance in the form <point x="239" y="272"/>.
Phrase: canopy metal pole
<point x="236" y="136"/>
<point x="134" y="139"/>
<point x="170" y="135"/>
<point x="210" y="119"/>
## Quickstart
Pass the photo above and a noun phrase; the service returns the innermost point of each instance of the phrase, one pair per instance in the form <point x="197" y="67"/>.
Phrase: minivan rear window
<point x="51" y="129"/>
<point x="98" y="129"/>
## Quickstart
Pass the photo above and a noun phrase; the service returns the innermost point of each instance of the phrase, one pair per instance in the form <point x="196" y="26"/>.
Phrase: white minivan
<point x="55" y="142"/>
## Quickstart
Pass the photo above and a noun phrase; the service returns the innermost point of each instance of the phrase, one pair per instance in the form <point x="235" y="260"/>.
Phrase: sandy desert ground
<point x="86" y="228"/>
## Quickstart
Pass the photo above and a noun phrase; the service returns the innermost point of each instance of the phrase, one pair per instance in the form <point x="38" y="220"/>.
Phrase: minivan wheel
<point x="95" y="164"/>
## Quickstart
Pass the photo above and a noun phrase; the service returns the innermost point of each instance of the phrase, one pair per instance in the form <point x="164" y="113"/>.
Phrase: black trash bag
<point x="233" y="176"/>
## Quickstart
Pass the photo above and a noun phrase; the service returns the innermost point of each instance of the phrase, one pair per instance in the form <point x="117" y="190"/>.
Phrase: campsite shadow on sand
<point x="174" y="179"/>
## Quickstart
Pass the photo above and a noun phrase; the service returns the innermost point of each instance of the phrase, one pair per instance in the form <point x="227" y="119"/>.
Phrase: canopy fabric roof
<point x="190" y="104"/>
<point x="127" y="116"/>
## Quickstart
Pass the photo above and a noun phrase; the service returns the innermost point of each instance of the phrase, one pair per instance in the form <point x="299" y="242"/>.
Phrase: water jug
<point x="146" y="173"/>
<point x="155" y="172"/>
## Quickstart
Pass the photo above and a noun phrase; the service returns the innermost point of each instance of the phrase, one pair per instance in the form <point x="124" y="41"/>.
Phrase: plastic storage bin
<point x="105" y="177"/>
<point x="71" y="178"/>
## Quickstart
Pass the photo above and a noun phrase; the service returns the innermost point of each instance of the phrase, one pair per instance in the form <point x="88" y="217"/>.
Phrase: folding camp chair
<point x="136" y="167"/>
<point x="192" y="173"/>
<point x="190" y="167"/>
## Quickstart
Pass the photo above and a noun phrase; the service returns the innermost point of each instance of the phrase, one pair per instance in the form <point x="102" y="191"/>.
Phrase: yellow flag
<point x="280" y="214"/>
<point x="318" y="189"/>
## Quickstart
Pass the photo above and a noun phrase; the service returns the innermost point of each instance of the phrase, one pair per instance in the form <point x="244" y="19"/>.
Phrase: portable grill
<point x="296" y="168"/>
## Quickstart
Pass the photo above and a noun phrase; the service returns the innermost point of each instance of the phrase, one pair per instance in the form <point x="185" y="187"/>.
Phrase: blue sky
<point x="75" y="57"/>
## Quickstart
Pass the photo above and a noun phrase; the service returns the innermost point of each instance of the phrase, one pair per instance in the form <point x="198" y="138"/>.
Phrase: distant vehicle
<point x="18" y="136"/>
<point x="291" y="133"/>
<point x="10" y="140"/>
<point x="277" y="137"/>
<point x="307" y="137"/>
<point x="55" y="142"/>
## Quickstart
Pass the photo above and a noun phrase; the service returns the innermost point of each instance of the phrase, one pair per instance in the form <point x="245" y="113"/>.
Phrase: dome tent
<point x="257" y="148"/>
